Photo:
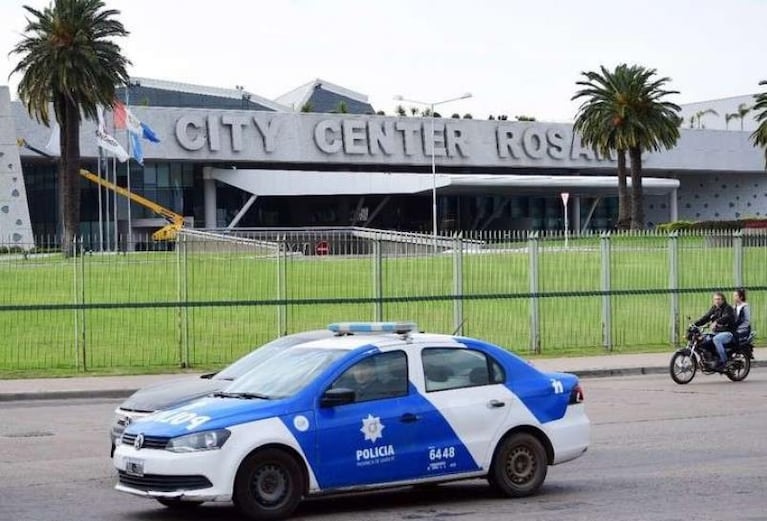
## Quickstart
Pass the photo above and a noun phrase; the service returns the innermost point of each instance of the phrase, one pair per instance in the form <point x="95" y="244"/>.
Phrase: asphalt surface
<point x="659" y="451"/>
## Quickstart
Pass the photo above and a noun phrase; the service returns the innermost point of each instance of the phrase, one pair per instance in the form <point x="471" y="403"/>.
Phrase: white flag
<point x="107" y="142"/>
<point x="54" y="141"/>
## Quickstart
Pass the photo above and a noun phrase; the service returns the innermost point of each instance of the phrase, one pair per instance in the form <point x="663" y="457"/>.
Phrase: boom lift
<point x="166" y="233"/>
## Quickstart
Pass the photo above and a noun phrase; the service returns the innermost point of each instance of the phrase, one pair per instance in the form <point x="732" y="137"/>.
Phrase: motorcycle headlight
<point x="208" y="440"/>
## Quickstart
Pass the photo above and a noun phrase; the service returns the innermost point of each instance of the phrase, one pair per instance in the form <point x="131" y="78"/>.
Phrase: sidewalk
<point x="121" y="386"/>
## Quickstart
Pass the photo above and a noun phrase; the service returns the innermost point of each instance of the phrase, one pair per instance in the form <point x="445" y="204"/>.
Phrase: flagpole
<point x="106" y="202"/>
<point x="101" y="218"/>
<point x="127" y="167"/>
<point x="114" y="202"/>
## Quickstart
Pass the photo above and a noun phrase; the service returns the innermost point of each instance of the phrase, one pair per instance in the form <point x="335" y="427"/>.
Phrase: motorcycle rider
<point x="722" y="319"/>
<point x="742" y="314"/>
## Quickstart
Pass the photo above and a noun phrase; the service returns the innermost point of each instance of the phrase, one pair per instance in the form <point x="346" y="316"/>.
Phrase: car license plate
<point x="134" y="467"/>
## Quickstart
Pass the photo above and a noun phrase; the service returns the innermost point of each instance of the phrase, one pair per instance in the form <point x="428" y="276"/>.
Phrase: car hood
<point x="207" y="414"/>
<point x="173" y="393"/>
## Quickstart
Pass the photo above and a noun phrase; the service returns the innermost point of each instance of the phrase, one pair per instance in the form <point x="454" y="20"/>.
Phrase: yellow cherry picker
<point x="166" y="233"/>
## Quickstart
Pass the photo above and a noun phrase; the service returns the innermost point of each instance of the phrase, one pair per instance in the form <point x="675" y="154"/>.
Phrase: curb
<point x="124" y="393"/>
<point x="67" y="395"/>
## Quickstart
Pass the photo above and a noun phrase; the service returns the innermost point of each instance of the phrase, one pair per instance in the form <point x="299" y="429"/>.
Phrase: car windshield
<point x="285" y="373"/>
<point x="266" y="351"/>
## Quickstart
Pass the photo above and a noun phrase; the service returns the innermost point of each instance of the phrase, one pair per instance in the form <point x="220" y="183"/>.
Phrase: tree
<point x="728" y="118"/>
<point x="699" y="115"/>
<point x="307" y="107"/>
<point x="467" y="116"/>
<point x="413" y="111"/>
<point x="68" y="57"/>
<point x="759" y="136"/>
<point x="599" y="123"/>
<point x="400" y="110"/>
<point x="624" y="110"/>
<point x="524" y="118"/>
<point x="341" y="108"/>
<point x="743" y="110"/>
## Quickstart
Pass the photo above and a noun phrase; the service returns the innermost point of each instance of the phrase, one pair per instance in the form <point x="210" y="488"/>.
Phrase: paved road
<point x="659" y="451"/>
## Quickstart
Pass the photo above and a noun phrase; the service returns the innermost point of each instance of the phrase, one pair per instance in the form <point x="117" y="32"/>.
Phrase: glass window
<point x="456" y="368"/>
<point x="163" y="175"/>
<point x="150" y="174"/>
<point x="188" y="170"/>
<point x="379" y="376"/>
<point x="175" y="174"/>
<point x="286" y="373"/>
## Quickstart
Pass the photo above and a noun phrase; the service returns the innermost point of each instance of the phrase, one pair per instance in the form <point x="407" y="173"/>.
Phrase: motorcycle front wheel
<point x="682" y="368"/>
<point x="738" y="367"/>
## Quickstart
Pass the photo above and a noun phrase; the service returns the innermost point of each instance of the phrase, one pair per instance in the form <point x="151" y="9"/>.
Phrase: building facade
<point x="229" y="158"/>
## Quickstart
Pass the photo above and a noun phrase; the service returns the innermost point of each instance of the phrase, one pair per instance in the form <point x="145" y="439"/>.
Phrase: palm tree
<point x="625" y="110"/>
<point x="759" y="136"/>
<point x="68" y="57"/>
<point x="699" y="115"/>
<point x="598" y="123"/>
<point x="743" y="109"/>
<point x="728" y="117"/>
<point x="341" y="108"/>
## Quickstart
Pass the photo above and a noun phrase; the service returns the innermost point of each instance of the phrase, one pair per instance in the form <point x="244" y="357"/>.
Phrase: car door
<point x="465" y="405"/>
<point x="370" y="439"/>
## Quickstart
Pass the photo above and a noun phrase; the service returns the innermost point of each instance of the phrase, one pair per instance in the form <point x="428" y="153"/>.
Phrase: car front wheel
<point x="269" y="485"/>
<point x="519" y="465"/>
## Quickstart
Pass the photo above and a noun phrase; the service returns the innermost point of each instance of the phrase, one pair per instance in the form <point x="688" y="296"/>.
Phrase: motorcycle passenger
<point x="742" y="315"/>
<point x="722" y="319"/>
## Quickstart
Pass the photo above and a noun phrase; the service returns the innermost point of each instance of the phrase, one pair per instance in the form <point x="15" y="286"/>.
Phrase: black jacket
<point x="722" y="318"/>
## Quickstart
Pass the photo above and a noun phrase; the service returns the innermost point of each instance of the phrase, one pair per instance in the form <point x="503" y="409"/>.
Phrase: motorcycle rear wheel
<point x="738" y="367"/>
<point x="682" y="368"/>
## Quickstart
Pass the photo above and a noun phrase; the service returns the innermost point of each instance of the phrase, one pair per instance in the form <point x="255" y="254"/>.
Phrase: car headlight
<point x="208" y="440"/>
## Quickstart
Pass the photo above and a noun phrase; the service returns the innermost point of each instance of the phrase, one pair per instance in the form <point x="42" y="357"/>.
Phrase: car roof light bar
<point x="398" y="328"/>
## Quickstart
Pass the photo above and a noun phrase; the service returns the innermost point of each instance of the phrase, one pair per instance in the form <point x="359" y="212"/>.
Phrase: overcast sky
<point x="514" y="56"/>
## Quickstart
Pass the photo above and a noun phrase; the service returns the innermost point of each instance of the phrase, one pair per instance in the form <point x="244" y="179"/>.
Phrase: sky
<point x="516" y="57"/>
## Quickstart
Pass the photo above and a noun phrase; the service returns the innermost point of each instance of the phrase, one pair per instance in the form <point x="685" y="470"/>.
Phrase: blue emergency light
<point x="346" y="328"/>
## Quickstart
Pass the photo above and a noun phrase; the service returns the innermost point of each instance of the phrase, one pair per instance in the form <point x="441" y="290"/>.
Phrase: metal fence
<point x="212" y="295"/>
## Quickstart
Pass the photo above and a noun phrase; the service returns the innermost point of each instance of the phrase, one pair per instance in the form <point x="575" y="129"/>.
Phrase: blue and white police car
<point x="378" y="405"/>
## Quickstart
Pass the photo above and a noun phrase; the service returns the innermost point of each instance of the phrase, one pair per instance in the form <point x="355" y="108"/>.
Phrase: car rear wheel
<point x="739" y="367"/>
<point x="269" y="485"/>
<point x="177" y="504"/>
<point x="519" y="465"/>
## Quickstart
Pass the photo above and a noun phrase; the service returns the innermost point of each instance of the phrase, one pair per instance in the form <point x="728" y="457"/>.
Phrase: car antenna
<point x="456" y="330"/>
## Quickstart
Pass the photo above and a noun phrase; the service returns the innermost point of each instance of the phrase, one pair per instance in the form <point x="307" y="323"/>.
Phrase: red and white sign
<point x="322" y="248"/>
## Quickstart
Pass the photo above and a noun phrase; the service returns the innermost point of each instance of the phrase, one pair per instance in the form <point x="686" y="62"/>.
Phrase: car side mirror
<point x="336" y="397"/>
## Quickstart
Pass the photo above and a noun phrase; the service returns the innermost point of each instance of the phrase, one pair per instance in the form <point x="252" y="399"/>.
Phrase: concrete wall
<point x="709" y="197"/>
<point x="15" y="227"/>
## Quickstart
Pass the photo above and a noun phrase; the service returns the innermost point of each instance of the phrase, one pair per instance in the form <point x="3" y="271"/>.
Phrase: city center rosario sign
<point x="267" y="136"/>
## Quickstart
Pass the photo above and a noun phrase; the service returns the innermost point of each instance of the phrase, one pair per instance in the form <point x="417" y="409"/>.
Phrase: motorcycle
<point x="700" y="354"/>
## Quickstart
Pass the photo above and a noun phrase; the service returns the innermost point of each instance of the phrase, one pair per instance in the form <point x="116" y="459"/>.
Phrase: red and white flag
<point x="107" y="142"/>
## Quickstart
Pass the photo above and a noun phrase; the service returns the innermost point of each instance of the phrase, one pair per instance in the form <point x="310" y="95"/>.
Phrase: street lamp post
<point x="431" y="106"/>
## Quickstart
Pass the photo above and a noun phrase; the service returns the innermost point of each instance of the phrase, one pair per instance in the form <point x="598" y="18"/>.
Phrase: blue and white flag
<point x="137" y="129"/>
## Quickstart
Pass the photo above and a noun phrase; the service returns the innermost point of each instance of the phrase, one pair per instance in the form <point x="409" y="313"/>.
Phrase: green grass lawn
<point x="211" y="332"/>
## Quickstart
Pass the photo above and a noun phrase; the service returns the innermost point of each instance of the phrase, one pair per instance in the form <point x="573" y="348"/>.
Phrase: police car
<point x="383" y="407"/>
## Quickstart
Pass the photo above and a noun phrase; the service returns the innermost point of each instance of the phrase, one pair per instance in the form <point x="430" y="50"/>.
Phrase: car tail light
<point x="576" y="395"/>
